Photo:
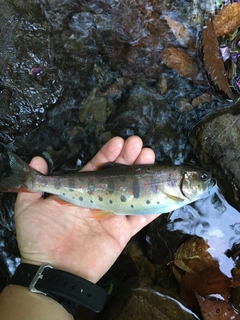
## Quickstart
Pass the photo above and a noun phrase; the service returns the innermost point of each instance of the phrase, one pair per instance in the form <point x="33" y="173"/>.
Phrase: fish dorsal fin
<point x="109" y="165"/>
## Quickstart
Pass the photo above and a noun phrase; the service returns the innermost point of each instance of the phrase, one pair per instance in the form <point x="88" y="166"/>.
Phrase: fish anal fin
<point x="98" y="214"/>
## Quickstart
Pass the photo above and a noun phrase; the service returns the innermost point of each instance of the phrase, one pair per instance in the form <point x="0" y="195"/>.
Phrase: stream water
<point x="213" y="219"/>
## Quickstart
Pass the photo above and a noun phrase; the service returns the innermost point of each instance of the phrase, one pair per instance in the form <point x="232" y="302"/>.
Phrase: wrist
<point x="17" y="302"/>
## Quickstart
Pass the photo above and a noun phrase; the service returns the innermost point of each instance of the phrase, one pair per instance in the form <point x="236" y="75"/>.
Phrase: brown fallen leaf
<point x="205" y="97"/>
<point x="227" y="20"/>
<point x="192" y="256"/>
<point x="213" y="61"/>
<point x="179" y="60"/>
<point x="211" y="281"/>
<point x="213" y="309"/>
<point x="178" y="30"/>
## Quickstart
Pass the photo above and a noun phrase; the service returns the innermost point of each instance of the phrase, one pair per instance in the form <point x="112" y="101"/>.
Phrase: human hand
<point x="65" y="235"/>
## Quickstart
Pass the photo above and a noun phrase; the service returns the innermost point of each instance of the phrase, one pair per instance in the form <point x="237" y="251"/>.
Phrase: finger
<point x="39" y="164"/>
<point x="25" y="198"/>
<point x="146" y="156"/>
<point x="108" y="153"/>
<point x="130" y="151"/>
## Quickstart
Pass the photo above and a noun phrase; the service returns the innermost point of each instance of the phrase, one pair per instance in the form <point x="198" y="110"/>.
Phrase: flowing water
<point x="213" y="219"/>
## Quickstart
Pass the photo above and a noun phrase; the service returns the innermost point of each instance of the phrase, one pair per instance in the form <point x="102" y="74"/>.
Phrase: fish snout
<point x="212" y="183"/>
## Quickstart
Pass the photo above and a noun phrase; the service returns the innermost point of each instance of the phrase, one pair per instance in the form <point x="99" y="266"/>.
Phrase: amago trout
<point x="115" y="189"/>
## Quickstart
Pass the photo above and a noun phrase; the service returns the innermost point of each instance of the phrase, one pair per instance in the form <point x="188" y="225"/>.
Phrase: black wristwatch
<point x="67" y="289"/>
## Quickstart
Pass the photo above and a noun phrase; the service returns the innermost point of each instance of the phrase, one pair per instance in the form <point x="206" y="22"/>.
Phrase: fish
<point x="113" y="189"/>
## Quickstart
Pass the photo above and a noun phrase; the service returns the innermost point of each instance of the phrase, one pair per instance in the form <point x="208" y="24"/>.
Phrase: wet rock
<point x="8" y="244"/>
<point x="147" y="294"/>
<point x="160" y="118"/>
<point x="147" y="303"/>
<point x="161" y="243"/>
<point x="216" y="144"/>
<point x="184" y="105"/>
<point x="24" y="98"/>
<point x="94" y="108"/>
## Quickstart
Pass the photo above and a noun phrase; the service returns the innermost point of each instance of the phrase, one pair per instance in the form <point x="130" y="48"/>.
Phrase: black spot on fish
<point x="91" y="188"/>
<point x="148" y="202"/>
<point x="111" y="187"/>
<point x="132" y="206"/>
<point x="110" y="201"/>
<point x="42" y="180"/>
<point x="122" y="178"/>
<point x="81" y="198"/>
<point x="100" y="198"/>
<point x="57" y="183"/>
<point x="136" y="189"/>
<point x="123" y="198"/>
<point x="91" y="201"/>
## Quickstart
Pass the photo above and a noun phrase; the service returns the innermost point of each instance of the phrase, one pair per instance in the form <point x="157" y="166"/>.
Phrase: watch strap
<point x="69" y="290"/>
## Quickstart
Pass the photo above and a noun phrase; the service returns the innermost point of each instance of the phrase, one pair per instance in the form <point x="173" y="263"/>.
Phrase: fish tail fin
<point x="15" y="174"/>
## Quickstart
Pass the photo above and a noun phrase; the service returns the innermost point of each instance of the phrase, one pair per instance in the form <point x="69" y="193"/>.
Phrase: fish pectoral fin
<point x="61" y="201"/>
<point x="174" y="198"/>
<point x="101" y="214"/>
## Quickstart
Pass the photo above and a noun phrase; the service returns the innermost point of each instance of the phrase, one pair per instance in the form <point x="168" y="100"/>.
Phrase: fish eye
<point x="203" y="176"/>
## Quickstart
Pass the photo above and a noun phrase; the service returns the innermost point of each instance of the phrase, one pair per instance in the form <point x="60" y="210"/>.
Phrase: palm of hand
<point x="65" y="235"/>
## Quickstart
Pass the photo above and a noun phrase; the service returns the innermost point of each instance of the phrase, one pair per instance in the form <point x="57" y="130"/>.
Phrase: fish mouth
<point x="212" y="183"/>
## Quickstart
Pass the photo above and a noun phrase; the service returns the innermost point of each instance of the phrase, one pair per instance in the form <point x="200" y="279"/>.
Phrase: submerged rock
<point x="216" y="144"/>
<point x="146" y="303"/>
<point x="147" y="293"/>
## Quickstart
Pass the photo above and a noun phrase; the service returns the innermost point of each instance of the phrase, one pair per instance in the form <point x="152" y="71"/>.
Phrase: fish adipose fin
<point x="14" y="173"/>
